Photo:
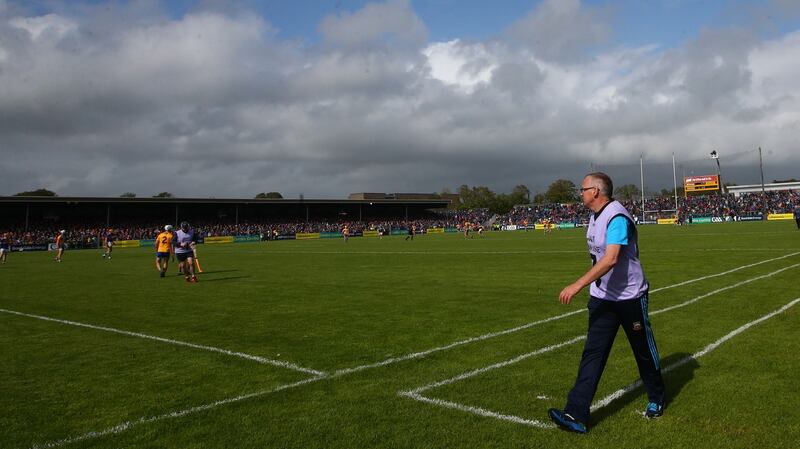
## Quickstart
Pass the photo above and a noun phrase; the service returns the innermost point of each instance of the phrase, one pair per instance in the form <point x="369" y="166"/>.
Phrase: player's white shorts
<point x="109" y="244"/>
<point x="2" y="251"/>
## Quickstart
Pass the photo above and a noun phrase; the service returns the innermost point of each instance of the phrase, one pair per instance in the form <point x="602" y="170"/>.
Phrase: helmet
<point x="185" y="225"/>
<point x="168" y="227"/>
<point x="63" y="231"/>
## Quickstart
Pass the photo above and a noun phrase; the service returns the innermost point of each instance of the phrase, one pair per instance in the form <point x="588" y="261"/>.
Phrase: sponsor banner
<point x="147" y="242"/>
<point x="667" y="221"/>
<point x="219" y="239"/>
<point x="643" y="222"/>
<point x="370" y="233"/>
<point x="566" y="225"/>
<point x="399" y="232"/>
<point x="448" y="230"/>
<point x="127" y="244"/>
<point x="510" y="227"/>
<point x="751" y="218"/>
<point x="700" y="220"/>
<point x="435" y="231"/>
<point x="330" y="235"/>
<point x="286" y="237"/>
<point x="788" y="216"/>
<point x="307" y="235"/>
<point x="20" y="248"/>
<point x="717" y="219"/>
<point x="246" y="238"/>
<point x="538" y="226"/>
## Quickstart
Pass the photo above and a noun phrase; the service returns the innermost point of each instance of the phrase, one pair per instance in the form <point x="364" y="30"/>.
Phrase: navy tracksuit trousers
<point x="605" y="318"/>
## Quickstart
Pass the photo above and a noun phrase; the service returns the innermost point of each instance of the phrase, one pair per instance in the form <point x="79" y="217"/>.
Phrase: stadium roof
<point x="430" y="202"/>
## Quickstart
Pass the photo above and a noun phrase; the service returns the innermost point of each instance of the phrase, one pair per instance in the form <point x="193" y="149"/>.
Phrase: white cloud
<point x="50" y="27"/>
<point x="462" y="66"/>
<point x="214" y="104"/>
<point x="392" y="22"/>
<point x="561" y="30"/>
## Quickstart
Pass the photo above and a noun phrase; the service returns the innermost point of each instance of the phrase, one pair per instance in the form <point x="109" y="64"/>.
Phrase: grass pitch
<point x="309" y="344"/>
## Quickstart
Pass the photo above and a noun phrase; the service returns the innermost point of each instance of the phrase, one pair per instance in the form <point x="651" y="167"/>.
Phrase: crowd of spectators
<point x="724" y="206"/>
<point x="89" y="235"/>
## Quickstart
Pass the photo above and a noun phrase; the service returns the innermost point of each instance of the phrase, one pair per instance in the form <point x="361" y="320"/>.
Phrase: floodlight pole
<point x="763" y="192"/>
<point x="641" y="173"/>
<point x="674" y="183"/>
<point x="715" y="156"/>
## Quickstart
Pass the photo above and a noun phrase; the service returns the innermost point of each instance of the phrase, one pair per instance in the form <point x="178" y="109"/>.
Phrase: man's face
<point x="588" y="191"/>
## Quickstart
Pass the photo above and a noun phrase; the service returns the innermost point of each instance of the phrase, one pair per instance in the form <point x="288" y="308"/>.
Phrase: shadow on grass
<point x="674" y="382"/>
<point x="218" y="271"/>
<point x="229" y="278"/>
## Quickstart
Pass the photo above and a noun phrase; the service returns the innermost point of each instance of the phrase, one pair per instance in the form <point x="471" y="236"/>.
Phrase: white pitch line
<point x="411" y="394"/>
<point x="477" y="411"/>
<point x="564" y="251"/>
<point x="427" y="352"/>
<point x="724" y="272"/>
<point x="119" y="428"/>
<point x="479" y="371"/>
<point x="415" y="393"/>
<point x="254" y="358"/>
<point x="738" y="284"/>
<point x="625" y="390"/>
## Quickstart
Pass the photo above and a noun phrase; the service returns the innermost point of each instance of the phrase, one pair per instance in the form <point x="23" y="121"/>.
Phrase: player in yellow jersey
<point x="164" y="249"/>
<point x="60" y="245"/>
<point x="548" y="226"/>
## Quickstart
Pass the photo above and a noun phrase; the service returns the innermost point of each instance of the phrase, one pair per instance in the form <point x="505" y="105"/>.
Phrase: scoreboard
<point x="701" y="183"/>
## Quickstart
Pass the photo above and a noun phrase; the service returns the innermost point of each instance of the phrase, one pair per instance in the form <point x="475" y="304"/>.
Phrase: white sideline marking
<point x="242" y="355"/>
<point x="119" y="428"/>
<point x="416" y="393"/>
<point x="625" y="390"/>
<point x="478" y="371"/>
<point x="422" y="354"/>
<point x="555" y="251"/>
<point x="477" y="410"/>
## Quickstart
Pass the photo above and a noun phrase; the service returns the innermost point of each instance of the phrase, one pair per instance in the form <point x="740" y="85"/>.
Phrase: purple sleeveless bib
<point x="626" y="280"/>
<point x="183" y="237"/>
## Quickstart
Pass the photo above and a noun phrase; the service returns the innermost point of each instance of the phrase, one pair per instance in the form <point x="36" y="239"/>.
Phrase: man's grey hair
<point x="603" y="181"/>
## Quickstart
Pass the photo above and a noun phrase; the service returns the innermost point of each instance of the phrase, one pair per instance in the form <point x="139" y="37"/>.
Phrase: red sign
<point x="701" y="183"/>
<point x="702" y="179"/>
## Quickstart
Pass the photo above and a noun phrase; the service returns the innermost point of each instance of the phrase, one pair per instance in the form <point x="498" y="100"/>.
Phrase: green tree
<point x="522" y="194"/>
<point x="269" y="195"/>
<point x="627" y="192"/>
<point x="37" y="192"/>
<point x="539" y="198"/>
<point x="128" y="195"/>
<point x="163" y="195"/>
<point x="561" y="191"/>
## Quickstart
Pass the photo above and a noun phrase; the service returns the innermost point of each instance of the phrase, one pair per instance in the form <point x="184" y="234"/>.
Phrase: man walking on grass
<point x="617" y="297"/>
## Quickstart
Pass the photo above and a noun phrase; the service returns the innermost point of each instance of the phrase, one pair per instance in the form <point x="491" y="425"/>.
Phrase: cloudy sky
<point x="324" y="98"/>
